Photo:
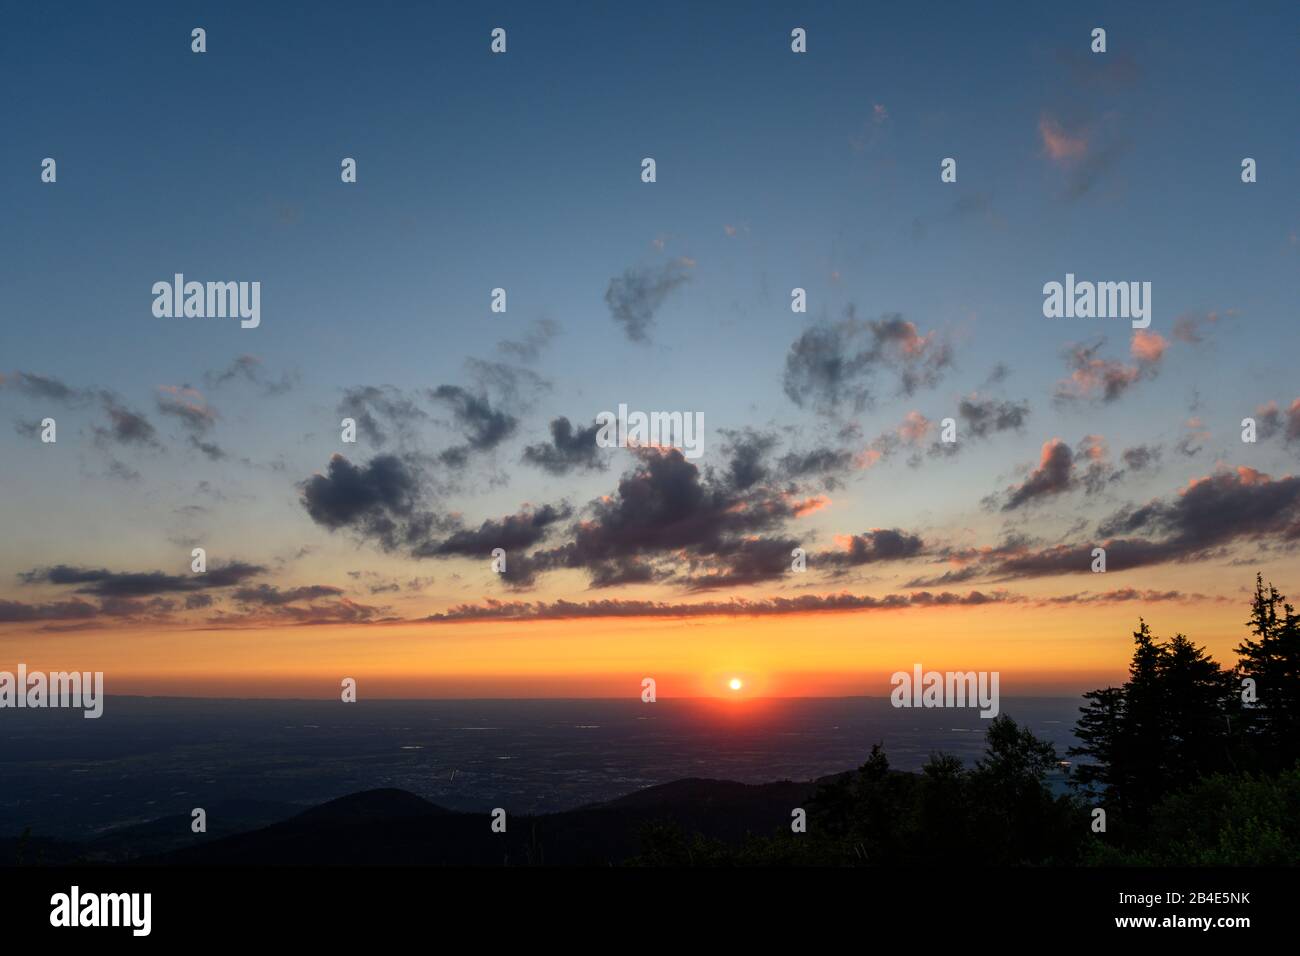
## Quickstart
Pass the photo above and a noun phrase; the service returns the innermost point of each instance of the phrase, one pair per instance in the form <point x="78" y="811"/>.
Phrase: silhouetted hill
<point x="396" y="827"/>
<point x="160" y="835"/>
<point x="369" y="806"/>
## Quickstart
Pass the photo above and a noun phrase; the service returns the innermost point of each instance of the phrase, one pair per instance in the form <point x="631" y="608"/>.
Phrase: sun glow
<point x="735" y="683"/>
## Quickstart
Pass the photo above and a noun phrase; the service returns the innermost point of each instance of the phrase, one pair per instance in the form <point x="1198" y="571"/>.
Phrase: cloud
<point x="383" y="502"/>
<point x="1271" y="421"/>
<point x="984" y="417"/>
<point x="964" y="208"/>
<point x="1124" y="595"/>
<point x="832" y="365"/>
<point x="249" y="368"/>
<point x="535" y="340"/>
<point x="824" y="463"/>
<point x="1084" y="151"/>
<point x="126" y="427"/>
<point x="270" y="594"/>
<point x="569" y="449"/>
<point x="747" y="450"/>
<point x="379" y="408"/>
<point x="212" y="450"/>
<point x="1192" y="326"/>
<point x="1141" y="457"/>
<point x="376" y="500"/>
<point x="48" y="388"/>
<point x="1094" y="378"/>
<point x="1203" y="520"/>
<point x="12" y="612"/>
<point x="482" y="426"/>
<point x="272" y="607"/>
<point x="635" y="296"/>
<point x="1058" y="144"/>
<point x="666" y="512"/>
<point x="734" y="607"/>
<point x="978" y="419"/>
<point x="1148" y="347"/>
<point x="1052" y="476"/>
<point x="187" y="406"/>
<point x="104" y="583"/>
<point x="739" y="562"/>
<point x="1191" y="443"/>
<point x="513" y="533"/>
<point x="879" y="544"/>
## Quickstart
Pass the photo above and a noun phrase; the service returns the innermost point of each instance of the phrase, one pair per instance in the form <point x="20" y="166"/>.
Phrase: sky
<point x="774" y="170"/>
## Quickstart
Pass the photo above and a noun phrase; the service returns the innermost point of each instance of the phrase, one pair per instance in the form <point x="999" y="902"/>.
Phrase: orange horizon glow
<point x="1051" y="652"/>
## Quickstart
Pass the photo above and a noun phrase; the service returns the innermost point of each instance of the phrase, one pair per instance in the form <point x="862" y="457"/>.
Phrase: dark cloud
<point x="1271" y="421"/>
<point x="377" y="500"/>
<point x="1124" y="595"/>
<point x="983" y="417"/>
<point x="512" y="533"/>
<point x="1052" y="476"/>
<point x="482" y="426"/>
<point x="1207" y="517"/>
<point x="834" y="365"/>
<point x="48" y="388"/>
<point x="377" y="409"/>
<point x="635" y="296"/>
<point x="249" y="368"/>
<point x="19" y="612"/>
<point x="134" y="584"/>
<point x="667" y="512"/>
<point x="126" y="427"/>
<point x="569" y="449"/>
<point x="381" y="502"/>
<point x="825" y="463"/>
<point x="511" y="385"/>
<point x="340" y="611"/>
<point x="1141" y="457"/>
<point x="212" y="450"/>
<point x="734" y="607"/>
<point x="747" y="451"/>
<point x="880" y="544"/>
<point x="535" y="340"/>
<point x="272" y="595"/>
<point x="739" y="562"/>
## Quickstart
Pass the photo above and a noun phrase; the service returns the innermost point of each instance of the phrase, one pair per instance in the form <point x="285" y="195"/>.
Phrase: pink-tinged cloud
<point x="1060" y="145"/>
<point x="809" y="505"/>
<point x="1093" y="447"/>
<point x="914" y="428"/>
<point x="1148" y="346"/>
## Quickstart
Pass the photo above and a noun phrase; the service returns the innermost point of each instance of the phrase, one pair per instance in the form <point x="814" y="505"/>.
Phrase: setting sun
<point x="735" y="683"/>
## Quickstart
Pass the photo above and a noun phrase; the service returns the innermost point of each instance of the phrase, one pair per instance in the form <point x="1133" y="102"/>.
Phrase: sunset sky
<point x="522" y="171"/>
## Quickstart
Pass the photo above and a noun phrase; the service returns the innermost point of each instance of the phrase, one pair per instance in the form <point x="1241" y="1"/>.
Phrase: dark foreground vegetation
<point x="1192" y="764"/>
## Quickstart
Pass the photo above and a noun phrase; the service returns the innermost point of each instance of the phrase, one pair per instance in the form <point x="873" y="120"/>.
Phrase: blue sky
<point x="775" y="170"/>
